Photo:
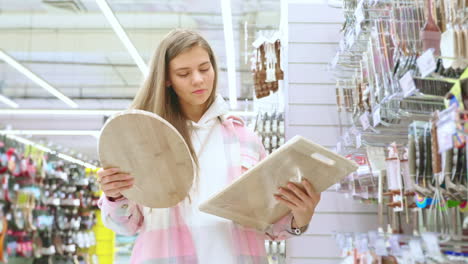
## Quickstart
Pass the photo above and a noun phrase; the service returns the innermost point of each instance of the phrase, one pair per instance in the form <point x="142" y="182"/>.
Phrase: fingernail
<point x="290" y="185"/>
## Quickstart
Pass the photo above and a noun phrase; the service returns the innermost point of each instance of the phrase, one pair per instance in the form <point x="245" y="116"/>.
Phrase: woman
<point x="181" y="88"/>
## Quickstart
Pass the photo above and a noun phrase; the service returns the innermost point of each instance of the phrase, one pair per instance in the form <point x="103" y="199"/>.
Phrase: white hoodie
<point x="213" y="241"/>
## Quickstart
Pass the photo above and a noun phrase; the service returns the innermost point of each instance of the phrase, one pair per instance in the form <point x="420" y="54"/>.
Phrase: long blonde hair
<point x="154" y="96"/>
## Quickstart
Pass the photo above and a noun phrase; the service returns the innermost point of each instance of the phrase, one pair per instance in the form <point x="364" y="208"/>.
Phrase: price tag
<point x="416" y="250"/>
<point x="407" y="84"/>
<point x="406" y="255"/>
<point x="445" y="137"/>
<point x="365" y="121"/>
<point x="359" y="13"/>
<point x="358" y="141"/>
<point x="446" y="128"/>
<point x="432" y="244"/>
<point x="426" y="63"/>
<point x="350" y="39"/>
<point x="342" y="45"/>
<point x="335" y="60"/>
<point x="338" y="147"/>
<point x="372" y="237"/>
<point x="395" y="245"/>
<point x="376" y="117"/>
<point x="381" y="247"/>
<point x="347" y="139"/>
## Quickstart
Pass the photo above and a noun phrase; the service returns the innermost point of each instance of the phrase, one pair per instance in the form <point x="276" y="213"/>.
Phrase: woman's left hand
<point x="302" y="202"/>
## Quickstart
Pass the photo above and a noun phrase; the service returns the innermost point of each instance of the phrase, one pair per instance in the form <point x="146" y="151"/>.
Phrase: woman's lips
<point x="201" y="91"/>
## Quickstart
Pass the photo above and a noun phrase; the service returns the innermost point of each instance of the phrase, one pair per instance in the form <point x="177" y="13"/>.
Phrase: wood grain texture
<point x="249" y="200"/>
<point x="150" y="149"/>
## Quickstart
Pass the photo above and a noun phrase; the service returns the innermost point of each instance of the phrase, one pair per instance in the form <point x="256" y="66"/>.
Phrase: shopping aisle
<point x="380" y="82"/>
<point x="377" y="96"/>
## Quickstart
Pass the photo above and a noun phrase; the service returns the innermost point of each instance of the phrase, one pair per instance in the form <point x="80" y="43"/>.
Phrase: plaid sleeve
<point x="123" y="217"/>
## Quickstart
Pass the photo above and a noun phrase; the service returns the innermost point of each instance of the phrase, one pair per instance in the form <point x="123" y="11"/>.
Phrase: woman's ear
<point x="168" y="83"/>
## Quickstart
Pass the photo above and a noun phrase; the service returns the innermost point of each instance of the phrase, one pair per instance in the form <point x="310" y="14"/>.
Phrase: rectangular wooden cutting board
<point x="249" y="200"/>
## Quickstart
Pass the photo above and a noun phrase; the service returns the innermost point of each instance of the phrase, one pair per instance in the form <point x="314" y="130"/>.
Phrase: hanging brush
<point x="430" y="34"/>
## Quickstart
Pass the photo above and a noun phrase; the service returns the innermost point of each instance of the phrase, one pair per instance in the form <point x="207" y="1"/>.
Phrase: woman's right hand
<point x="113" y="182"/>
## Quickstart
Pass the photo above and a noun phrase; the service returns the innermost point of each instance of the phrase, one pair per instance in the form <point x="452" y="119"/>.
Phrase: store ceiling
<point x="71" y="45"/>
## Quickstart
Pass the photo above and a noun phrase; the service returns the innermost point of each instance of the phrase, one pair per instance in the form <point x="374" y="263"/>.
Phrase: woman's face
<point x="192" y="76"/>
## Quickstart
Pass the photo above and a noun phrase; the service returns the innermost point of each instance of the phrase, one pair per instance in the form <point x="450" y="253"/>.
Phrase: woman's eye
<point x="183" y="75"/>
<point x="205" y="70"/>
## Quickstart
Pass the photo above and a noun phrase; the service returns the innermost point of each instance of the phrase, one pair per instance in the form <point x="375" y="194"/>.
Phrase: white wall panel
<point x="309" y="114"/>
<point x="314" y="33"/>
<point x="310" y="73"/>
<point x="325" y="135"/>
<point x="307" y="13"/>
<point x="312" y="112"/>
<point x="300" y="52"/>
<point x="312" y="94"/>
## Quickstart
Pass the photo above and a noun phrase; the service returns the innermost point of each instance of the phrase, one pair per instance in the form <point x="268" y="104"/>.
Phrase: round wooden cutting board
<point x="150" y="149"/>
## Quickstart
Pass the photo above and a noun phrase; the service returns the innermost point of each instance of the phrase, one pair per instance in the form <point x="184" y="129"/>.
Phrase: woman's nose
<point x="197" y="78"/>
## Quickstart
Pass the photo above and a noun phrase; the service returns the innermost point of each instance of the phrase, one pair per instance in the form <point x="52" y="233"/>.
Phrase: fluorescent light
<point x="94" y="133"/>
<point x="117" y="27"/>
<point x="38" y="80"/>
<point x="230" y="56"/>
<point x="81" y="112"/>
<point x="45" y="149"/>
<point x="85" y="112"/>
<point x="76" y="161"/>
<point x="8" y="101"/>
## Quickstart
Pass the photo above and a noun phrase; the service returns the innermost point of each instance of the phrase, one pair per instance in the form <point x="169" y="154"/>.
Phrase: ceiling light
<point x="94" y="133"/>
<point x="81" y="112"/>
<point x="48" y="150"/>
<point x="85" y="112"/>
<point x="118" y="29"/>
<point x="38" y="80"/>
<point x="8" y="101"/>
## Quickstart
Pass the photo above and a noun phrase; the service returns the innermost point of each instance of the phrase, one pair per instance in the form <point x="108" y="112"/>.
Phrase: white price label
<point x="407" y="84"/>
<point x="350" y="40"/>
<point x="335" y="60"/>
<point x="376" y="117"/>
<point x="365" y="121"/>
<point x="359" y="13"/>
<point x="395" y="245"/>
<point x="445" y="137"/>
<point x="338" y="147"/>
<point x="446" y="129"/>
<point x="432" y="244"/>
<point x="426" y="63"/>
<point x="358" y="141"/>
<point x="342" y="45"/>
<point x="416" y="250"/>
<point x="381" y="247"/>
<point x="347" y="139"/>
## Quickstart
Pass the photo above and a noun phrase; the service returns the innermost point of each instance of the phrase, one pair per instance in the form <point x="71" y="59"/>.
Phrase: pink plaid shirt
<point x="171" y="242"/>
